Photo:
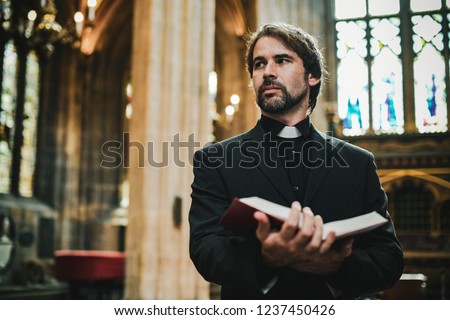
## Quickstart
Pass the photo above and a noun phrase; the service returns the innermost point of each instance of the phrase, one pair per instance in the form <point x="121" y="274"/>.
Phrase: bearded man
<point x="286" y="160"/>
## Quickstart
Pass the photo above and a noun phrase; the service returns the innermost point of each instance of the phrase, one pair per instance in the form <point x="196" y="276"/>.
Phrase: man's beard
<point x="278" y="104"/>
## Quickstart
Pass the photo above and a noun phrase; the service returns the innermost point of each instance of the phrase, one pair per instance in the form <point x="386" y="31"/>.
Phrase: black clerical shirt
<point x="291" y="153"/>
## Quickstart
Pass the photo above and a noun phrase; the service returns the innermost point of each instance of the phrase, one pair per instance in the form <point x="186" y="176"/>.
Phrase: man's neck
<point x="288" y="119"/>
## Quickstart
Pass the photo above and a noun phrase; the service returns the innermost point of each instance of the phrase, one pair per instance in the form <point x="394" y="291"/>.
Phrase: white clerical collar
<point x="289" y="132"/>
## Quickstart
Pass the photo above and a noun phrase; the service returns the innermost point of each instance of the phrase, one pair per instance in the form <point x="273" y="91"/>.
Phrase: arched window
<point x="7" y="114"/>
<point x="19" y="107"/>
<point x="30" y="118"/>
<point x="393" y="65"/>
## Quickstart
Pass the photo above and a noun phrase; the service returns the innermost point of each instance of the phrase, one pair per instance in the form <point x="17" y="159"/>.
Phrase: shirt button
<point x="296" y="188"/>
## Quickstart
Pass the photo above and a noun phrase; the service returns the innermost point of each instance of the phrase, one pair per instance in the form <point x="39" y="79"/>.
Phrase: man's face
<point x="279" y="78"/>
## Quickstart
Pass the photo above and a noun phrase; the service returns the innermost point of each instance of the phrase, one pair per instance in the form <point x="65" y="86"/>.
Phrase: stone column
<point x="58" y="162"/>
<point x="172" y="54"/>
<point x="307" y="14"/>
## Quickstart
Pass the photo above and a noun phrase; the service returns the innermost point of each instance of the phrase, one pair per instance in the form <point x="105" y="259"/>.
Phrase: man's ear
<point x="312" y="81"/>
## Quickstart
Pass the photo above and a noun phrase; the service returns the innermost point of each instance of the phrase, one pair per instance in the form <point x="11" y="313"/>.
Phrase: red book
<point x="239" y="218"/>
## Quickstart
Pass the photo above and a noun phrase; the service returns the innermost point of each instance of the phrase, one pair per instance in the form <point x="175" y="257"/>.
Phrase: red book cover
<point x="239" y="218"/>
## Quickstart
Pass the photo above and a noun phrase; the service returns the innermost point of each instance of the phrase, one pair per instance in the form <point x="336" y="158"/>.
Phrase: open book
<point x="239" y="218"/>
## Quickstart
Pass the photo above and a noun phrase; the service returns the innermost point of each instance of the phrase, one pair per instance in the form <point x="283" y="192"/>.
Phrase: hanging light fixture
<point x="41" y="29"/>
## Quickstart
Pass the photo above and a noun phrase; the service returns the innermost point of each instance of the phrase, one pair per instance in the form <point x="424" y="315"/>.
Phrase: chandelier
<point x="39" y="27"/>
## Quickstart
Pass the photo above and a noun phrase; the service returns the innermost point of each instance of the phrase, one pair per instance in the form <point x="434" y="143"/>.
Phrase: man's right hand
<point x="302" y="249"/>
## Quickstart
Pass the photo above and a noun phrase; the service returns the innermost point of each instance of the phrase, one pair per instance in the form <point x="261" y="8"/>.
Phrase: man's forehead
<point x="271" y="46"/>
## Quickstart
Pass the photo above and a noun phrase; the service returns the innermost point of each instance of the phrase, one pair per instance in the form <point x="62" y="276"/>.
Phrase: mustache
<point x="270" y="83"/>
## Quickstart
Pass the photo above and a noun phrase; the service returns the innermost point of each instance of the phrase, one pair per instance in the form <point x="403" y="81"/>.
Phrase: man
<point x="284" y="159"/>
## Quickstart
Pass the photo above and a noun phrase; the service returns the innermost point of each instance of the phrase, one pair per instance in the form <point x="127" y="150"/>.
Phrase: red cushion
<point x="89" y="265"/>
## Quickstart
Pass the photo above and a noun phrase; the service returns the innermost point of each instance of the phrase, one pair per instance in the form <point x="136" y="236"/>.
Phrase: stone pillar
<point x="58" y="161"/>
<point x="172" y="54"/>
<point x="310" y="15"/>
<point x="307" y="14"/>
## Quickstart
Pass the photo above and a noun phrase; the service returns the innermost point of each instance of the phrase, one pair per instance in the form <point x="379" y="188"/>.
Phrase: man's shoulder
<point x="349" y="146"/>
<point x="228" y="144"/>
<point x="232" y="140"/>
<point x="222" y="145"/>
<point x="345" y="146"/>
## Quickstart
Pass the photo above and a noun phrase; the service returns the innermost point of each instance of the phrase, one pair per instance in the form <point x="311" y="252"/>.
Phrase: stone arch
<point x="414" y="204"/>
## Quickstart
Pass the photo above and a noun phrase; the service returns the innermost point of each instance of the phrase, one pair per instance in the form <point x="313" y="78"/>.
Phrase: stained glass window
<point x="425" y="5"/>
<point x="429" y="74"/>
<point x="383" y="7"/>
<point x="7" y="115"/>
<point x="387" y="79"/>
<point x="353" y="94"/>
<point x="350" y="9"/>
<point x="372" y="53"/>
<point x="19" y="101"/>
<point x="28" y="152"/>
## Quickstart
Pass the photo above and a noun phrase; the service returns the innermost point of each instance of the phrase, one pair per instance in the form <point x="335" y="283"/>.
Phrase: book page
<point x="354" y="225"/>
<point x="273" y="209"/>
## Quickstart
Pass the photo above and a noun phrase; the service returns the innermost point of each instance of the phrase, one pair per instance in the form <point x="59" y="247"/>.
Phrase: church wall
<point x="167" y="49"/>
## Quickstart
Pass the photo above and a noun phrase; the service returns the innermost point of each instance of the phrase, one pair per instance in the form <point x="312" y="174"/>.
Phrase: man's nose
<point x="270" y="71"/>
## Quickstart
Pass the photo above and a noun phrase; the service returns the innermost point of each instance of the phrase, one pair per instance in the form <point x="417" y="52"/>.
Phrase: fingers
<point x="290" y="226"/>
<point x="307" y="229"/>
<point x="308" y="211"/>
<point x="263" y="228"/>
<point x="326" y="245"/>
<point x="316" y="240"/>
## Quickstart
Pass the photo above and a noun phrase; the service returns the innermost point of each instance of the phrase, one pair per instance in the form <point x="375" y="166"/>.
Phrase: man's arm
<point x="376" y="262"/>
<point x="218" y="255"/>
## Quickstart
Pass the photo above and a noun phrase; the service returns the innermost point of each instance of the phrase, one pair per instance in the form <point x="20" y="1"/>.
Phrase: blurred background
<point x="96" y="95"/>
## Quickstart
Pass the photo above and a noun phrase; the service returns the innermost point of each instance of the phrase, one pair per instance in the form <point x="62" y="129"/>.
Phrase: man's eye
<point x="258" y="65"/>
<point x="281" y="61"/>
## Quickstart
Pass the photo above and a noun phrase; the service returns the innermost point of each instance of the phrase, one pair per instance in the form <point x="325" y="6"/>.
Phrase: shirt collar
<point x="274" y="127"/>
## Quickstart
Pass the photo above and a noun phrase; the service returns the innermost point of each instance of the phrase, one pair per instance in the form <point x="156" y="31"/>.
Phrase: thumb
<point x="263" y="228"/>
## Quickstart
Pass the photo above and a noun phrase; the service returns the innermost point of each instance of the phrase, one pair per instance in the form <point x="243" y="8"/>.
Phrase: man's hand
<point x="302" y="249"/>
<point x="327" y="262"/>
